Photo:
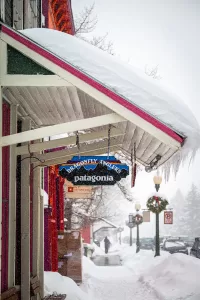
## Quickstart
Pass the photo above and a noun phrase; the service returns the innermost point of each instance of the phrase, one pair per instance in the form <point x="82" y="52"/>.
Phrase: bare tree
<point x="85" y="22"/>
<point x="152" y="72"/>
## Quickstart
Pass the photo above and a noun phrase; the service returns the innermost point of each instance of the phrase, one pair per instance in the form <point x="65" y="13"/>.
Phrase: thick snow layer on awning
<point x="122" y="78"/>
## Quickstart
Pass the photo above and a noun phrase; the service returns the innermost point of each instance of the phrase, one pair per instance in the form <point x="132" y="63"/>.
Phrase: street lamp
<point x="157" y="181"/>
<point x="130" y="223"/>
<point x="138" y="221"/>
<point x="120" y="229"/>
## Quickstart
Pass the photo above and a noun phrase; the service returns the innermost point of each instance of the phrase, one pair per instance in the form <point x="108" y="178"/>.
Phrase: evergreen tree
<point x="190" y="220"/>
<point x="177" y="202"/>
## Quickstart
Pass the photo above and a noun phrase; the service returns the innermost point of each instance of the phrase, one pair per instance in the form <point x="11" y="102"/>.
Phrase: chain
<point x="109" y="130"/>
<point x="78" y="144"/>
<point x="132" y="157"/>
<point x="134" y="152"/>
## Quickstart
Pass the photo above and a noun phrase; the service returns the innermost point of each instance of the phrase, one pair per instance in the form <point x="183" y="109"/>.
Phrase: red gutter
<point x="67" y="67"/>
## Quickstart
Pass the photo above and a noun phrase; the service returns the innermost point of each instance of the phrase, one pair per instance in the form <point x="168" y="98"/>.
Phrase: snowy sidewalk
<point x="117" y="283"/>
<point x="114" y="283"/>
<point x="105" y="260"/>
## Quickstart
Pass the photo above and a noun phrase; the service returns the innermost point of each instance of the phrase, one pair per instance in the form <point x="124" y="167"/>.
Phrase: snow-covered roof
<point x="109" y="223"/>
<point x="150" y="110"/>
<point x="120" y="77"/>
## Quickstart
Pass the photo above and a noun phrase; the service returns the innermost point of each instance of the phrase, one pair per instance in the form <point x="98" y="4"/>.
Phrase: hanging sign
<point x="94" y="170"/>
<point x="168" y="217"/>
<point x="77" y="192"/>
<point x="146" y="216"/>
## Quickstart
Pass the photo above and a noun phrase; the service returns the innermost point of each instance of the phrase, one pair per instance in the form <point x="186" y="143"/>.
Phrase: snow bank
<point x="125" y="80"/>
<point x="89" y="268"/>
<point x="139" y="262"/>
<point x="97" y="250"/>
<point x="174" y="277"/>
<point x="54" y="282"/>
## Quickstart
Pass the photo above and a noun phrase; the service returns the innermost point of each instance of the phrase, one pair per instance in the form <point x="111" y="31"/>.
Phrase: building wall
<point x="86" y="234"/>
<point x="21" y="14"/>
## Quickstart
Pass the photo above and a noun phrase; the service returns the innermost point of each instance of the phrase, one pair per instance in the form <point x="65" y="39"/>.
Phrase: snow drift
<point x="175" y="277"/>
<point x="54" y="282"/>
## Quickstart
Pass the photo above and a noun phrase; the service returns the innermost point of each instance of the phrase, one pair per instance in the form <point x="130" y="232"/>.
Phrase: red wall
<point x="5" y="198"/>
<point x="86" y="231"/>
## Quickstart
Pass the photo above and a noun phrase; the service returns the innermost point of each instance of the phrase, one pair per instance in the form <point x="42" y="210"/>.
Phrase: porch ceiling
<point x="53" y="105"/>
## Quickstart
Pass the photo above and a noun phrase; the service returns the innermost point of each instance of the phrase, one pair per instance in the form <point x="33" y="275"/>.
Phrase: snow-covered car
<point x="195" y="250"/>
<point x="173" y="245"/>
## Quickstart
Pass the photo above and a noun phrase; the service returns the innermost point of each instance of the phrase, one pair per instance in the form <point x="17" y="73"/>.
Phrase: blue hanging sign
<point x="94" y="170"/>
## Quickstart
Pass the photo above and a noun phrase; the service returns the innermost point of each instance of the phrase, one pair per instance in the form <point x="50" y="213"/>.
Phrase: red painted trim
<point x="59" y="62"/>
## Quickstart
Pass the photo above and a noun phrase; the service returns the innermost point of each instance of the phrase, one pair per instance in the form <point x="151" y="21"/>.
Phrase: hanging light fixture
<point x="153" y="164"/>
<point x="157" y="181"/>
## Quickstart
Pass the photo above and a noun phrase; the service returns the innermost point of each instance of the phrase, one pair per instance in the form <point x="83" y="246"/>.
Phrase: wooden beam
<point x="25" y="222"/>
<point x="64" y="159"/>
<point x="71" y="140"/>
<point x="73" y="151"/>
<point x="34" y="80"/>
<point x="60" y="129"/>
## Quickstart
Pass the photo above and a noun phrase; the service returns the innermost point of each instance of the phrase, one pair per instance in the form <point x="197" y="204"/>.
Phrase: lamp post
<point x="138" y="221"/>
<point x="120" y="229"/>
<point x="130" y="224"/>
<point x="157" y="181"/>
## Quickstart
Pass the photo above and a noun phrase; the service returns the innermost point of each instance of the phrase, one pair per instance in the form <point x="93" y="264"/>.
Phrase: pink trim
<point x="59" y="62"/>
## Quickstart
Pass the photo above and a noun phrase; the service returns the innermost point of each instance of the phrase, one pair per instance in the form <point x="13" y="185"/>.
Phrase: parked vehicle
<point x="195" y="250"/>
<point x="189" y="241"/>
<point x="174" y="245"/>
<point x="147" y="243"/>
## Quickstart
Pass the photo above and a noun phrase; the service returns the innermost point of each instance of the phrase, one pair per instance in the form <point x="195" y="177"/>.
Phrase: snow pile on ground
<point x="175" y="277"/>
<point x="89" y="268"/>
<point x="171" y="277"/>
<point x="97" y="250"/>
<point x="113" y="283"/>
<point x="123" y="79"/>
<point x="54" y="282"/>
<point x="139" y="262"/>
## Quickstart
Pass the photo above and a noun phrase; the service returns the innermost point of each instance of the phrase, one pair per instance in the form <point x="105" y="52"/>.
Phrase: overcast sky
<point x="157" y="32"/>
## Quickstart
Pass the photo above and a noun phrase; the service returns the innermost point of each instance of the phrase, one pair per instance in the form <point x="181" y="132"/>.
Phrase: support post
<point x="25" y="221"/>
<point x="157" y="236"/>
<point x="131" y="237"/>
<point x="36" y="221"/>
<point x="0" y="182"/>
<point x="138" y="239"/>
<point x="41" y="268"/>
<point x="12" y="201"/>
